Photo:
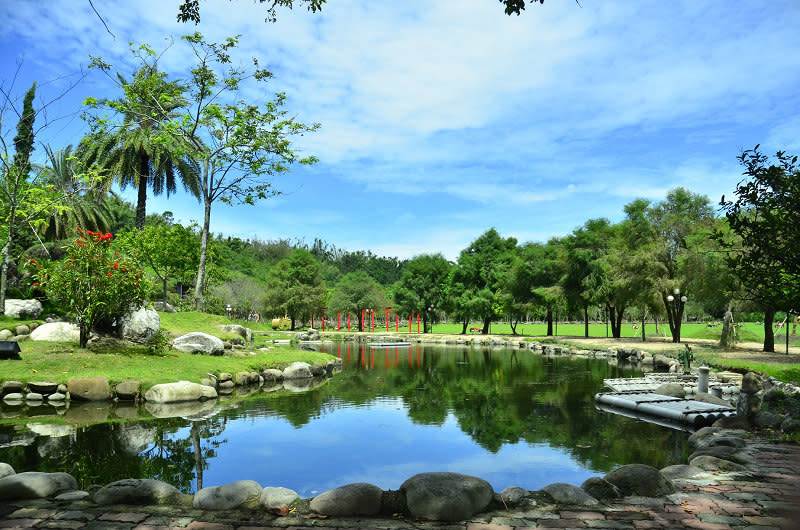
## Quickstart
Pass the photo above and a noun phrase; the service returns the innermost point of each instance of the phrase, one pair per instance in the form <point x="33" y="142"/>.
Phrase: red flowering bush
<point x="94" y="281"/>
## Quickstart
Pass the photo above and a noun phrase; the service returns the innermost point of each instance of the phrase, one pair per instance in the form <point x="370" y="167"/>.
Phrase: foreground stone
<point x="57" y="332"/>
<point x="89" y="388"/>
<point x="640" y="479"/>
<point x="277" y="498"/>
<point x="353" y="499"/>
<point x="569" y="494"/>
<point x="199" y="342"/>
<point x="298" y="370"/>
<point x="179" y="391"/>
<point x="35" y="484"/>
<point x="446" y="496"/>
<point x="239" y="494"/>
<point x="140" y="491"/>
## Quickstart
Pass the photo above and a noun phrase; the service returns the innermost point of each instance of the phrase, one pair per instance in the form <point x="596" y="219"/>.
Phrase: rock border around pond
<point x="453" y="497"/>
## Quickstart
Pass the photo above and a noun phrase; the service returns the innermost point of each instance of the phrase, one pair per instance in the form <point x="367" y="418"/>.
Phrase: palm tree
<point x="140" y="151"/>
<point x="84" y="201"/>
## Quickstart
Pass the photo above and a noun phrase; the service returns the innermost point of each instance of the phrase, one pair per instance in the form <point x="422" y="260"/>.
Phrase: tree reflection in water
<point x="498" y="398"/>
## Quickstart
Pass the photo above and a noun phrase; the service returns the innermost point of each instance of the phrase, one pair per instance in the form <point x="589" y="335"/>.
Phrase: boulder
<point x="671" y="389"/>
<point x="11" y="387"/>
<point x="713" y="463"/>
<point x="140" y="326"/>
<point x="705" y="397"/>
<point x="164" y="307"/>
<point x="601" y="489"/>
<point x="22" y="329"/>
<point x="751" y="383"/>
<point x="6" y="470"/>
<point x="179" y="391"/>
<point x="242" y="378"/>
<point x="790" y="425"/>
<point x="640" y="479"/>
<point x="89" y="388"/>
<point x="513" y="495"/>
<point x="353" y="499"/>
<point x="6" y="334"/>
<point x="298" y="370"/>
<point x="57" y="332"/>
<point x="734" y="454"/>
<point x="569" y="494"/>
<point x="768" y="420"/>
<point x="35" y="484"/>
<point x="140" y="491"/>
<point x="681" y="471"/>
<point x="239" y="494"/>
<point x="199" y="342"/>
<point x="127" y="390"/>
<point x="446" y="496"/>
<point x="245" y="333"/>
<point x="277" y="498"/>
<point x="17" y="308"/>
<point x="271" y="374"/>
<point x="715" y="436"/>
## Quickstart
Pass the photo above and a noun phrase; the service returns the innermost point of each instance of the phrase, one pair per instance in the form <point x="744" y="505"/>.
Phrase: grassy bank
<point x="57" y="362"/>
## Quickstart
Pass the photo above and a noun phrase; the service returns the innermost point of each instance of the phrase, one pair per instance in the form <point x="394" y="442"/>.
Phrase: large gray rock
<point x="601" y="489"/>
<point x="140" y="491"/>
<point x="513" y="495"/>
<point x="243" y="332"/>
<point x="6" y="470"/>
<point x="140" y="326"/>
<point x="715" y="436"/>
<point x="353" y="499"/>
<point x="569" y="494"/>
<point x="277" y="498"/>
<point x="57" y="332"/>
<point x="179" y="391"/>
<point x="272" y="374"/>
<point x="43" y="387"/>
<point x="17" y="308"/>
<point x="239" y="494"/>
<point x="297" y="370"/>
<point x="681" y="471"/>
<point x="35" y="484"/>
<point x="734" y="454"/>
<point x="199" y="342"/>
<point x="22" y="329"/>
<point x="127" y="390"/>
<point x="640" y="479"/>
<point x="6" y="334"/>
<point x="446" y="496"/>
<point x="89" y="388"/>
<point x="713" y="463"/>
<point x="751" y="383"/>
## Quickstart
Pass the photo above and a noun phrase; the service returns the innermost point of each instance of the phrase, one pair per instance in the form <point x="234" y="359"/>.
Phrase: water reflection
<point x="509" y="416"/>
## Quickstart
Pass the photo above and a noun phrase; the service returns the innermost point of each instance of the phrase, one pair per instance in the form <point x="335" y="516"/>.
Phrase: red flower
<point x="109" y="274"/>
<point x="36" y="284"/>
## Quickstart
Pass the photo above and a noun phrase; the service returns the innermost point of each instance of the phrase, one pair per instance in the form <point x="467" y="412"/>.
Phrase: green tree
<point x="295" y="287"/>
<point x="238" y="145"/>
<point x="475" y="283"/>
<point x="766" y="216"/>
<point x="585" y="248"/>
<point x="536" y="278"/>
<point x="422" y="287"/>
<point x="355" y="292"/>
<point x="139" y="150"/>
<point x="171" y="251"/>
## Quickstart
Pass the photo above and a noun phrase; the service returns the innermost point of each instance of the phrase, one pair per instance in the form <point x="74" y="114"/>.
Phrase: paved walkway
<point x="767" y="497"/>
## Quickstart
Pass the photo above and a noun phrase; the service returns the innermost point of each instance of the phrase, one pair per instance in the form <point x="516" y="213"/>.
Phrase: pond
<point x="511" y="417"/>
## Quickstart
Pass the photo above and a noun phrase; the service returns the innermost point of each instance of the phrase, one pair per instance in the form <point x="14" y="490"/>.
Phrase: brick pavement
<point x="765" y="497"/>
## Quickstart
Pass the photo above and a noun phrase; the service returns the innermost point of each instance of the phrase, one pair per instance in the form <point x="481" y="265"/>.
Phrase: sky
<point x="440" y="120"/>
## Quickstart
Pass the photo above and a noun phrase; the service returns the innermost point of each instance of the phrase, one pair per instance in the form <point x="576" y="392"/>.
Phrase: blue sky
<point x="443" y="119"/>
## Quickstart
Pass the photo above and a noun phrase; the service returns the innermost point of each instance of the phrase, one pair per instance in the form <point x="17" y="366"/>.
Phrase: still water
<point x="511" y="417"/>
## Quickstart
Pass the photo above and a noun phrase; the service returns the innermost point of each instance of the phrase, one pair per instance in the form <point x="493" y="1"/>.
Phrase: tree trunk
<point x="586" y="321"/>
<point x="513" y="326"/>
<point x="292" y="328"/>
<point x="201" y="269"/>
<point x="486" y="322"/>
<point x="83" y="340"/>
<point x="198" y="455"/>
<point x="141" y="199"/>
<point x="769" y="333"/>
<point x="7" y="253"/>
<point x="725" y="339"/>
<point x="165" y="292"/>
<point x="644" y="320"/>
<point x="549" y="318"/>
<point x="464" y="327"/>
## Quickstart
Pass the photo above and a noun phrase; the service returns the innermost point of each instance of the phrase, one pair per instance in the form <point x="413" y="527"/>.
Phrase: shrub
<point x="93" y="281"/>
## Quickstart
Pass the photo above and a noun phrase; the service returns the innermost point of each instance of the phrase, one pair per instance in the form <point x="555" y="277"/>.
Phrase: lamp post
<point x="675" y="303"/>
<point x="430" y="316"/>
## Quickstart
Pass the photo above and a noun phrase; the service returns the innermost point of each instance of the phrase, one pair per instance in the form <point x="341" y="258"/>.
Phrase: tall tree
<point x="475" y="283"/>
<point x="238" y="145"/>
<point x="422" y="287"/>
<point x="355" y="292"/>
<point x="139" y="151"/>
<point x="766" y="216"/>
<point x="295" y="287"/>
